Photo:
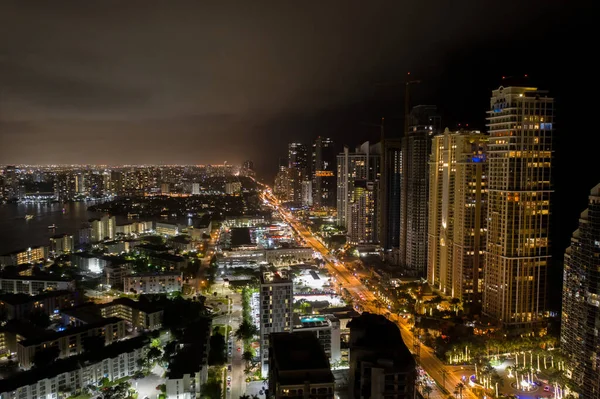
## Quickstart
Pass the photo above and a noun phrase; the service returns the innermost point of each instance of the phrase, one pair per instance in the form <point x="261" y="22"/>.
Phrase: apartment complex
<point x="153" y="283"/>
<point x="24" y="256"/>
<point x="581" y="301"/>
<point x="457" y="214"/>
<point x="116" y="361"/>
<point x="70" y="341"/>
<point x="276" y="309"/>
<point x="520" y="123"/>
<point x="33" y="285"/>
<point x="424" y="123"/>
<point x="358" y="175"/>
<point x="323" y="172"/>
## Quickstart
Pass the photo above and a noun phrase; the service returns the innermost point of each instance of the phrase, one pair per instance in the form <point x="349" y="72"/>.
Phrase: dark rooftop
<point x="168" y="257"/>
<point x="18" y="299"/>
<point x="299" y="357"/>
<point x="240" y="236"/>
<point x="34" y="278"/>
<point x="380" y="336"/>
<point x="70" y="331"/>
<point x="23" y="328"/>
<point x="29" y="377"/>
<point x="182" y="239"/>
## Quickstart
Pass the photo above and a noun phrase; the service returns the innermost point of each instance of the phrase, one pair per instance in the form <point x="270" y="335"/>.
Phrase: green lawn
<point x="82" y="396"/>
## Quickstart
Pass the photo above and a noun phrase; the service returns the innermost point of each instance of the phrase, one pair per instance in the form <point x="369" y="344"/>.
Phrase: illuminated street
<point x="427" y="360"/>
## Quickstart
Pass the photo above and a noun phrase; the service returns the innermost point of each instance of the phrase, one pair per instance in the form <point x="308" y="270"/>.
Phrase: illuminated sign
<point x="324" y="173"/>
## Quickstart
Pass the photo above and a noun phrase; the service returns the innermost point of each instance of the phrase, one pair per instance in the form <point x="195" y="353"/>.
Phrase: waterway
<point x="16" y="232"/>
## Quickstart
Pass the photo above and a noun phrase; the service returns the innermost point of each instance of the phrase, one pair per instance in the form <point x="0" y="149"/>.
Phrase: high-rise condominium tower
<point x="424" y="123"/>
<point x="518" y="252"/>
<point x="389" y="194"/>
<point x="323" y="172"/>
<point x="276" y="309"/>
<point x="457" y="214"/>
<point x="298" y="169"/>
<point x="362" y="166"/>
<point x="581" y="301"/>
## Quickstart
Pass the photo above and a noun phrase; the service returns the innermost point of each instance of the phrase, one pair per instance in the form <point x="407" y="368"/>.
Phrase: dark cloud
<point x="204" y="81"/>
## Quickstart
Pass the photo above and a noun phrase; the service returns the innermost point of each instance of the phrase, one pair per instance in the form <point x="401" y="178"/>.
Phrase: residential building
<point x="168" y="262"/>
<point x="116" y="361"/>
<point x="323" y="172"/>
<point x="181" y="243"/>
<point x="33" y="285"/>
<point x="389" y="196"/>
<point x="233" y="187"/>
<point x="363" y="227"/>
<point x="165" y="188"/>
<point x="520" y="123"/>
<point x="188" y="369"/>
<point x="361" y="166"/>
<point x="298" y="165"/>
<point x="166" y="229"/>
<point x="70" y="341"/>
<point x="276" y="310"/>
<point x="327" y="330"/>
<point x="62" y="244"/>
<point x="299" y="367"/>
<point x="103" y="228"/>
<point x="458" y="214"/>
<point x="88" y="262"/>
<point x="153" y="283"/>
<point x="19" y="306"/>
<point x="424" y="123"/>
<point x="307" y="193"/>
<point x="29" y="255"/>
<point x="581" y="304"/>
<point x="380" y="363"/>
<point x="140" y="315"/>
<point x="195" y="188"/>
<point x="113" y="274"/>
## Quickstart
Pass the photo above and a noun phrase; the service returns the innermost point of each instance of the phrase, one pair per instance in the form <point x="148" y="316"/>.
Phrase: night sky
<point x="205" y="82"/>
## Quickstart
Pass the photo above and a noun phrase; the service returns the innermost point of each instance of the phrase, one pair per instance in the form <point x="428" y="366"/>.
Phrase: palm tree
<point x="245" y="396"/>
<point x="460" y="386"/>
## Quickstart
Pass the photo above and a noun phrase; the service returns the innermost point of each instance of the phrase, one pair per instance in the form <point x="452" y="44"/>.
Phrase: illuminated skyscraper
<point x="519" y="158"/>
<point x="323" y="172"/>
<point x="298" y="170"/>
<point x="389" y="195"/>
<point x="362" y="166"/>
<point x="457" y="214"/>
<point x="363" y="213"/>
<point x="276" y="309"/>
<point x="581" y="301"/>
<point x="424" y="123"/>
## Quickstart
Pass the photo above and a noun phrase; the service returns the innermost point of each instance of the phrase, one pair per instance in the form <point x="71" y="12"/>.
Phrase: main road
<point x="437" y="370"/>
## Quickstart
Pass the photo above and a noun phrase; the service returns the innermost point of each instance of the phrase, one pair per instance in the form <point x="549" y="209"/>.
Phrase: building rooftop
<point x="70" y="331"/>
<point x="312" y="321"/>
<point x="18" y="299"/>
<point x="61" y="366"/>
<point x="88" y="313"/>
<point x="240" y="236"/>
<point x="278" y="277"/>
<point x="142" y="306"/>
<point x="181" y="239"/>
<point x="158" y="274"/>
<point x="34" y="278"/>
<point x="168" y="257"/>
<point x="299" y="357"/>
<point x="379" y="336"/>
<point x="22" y="250"/>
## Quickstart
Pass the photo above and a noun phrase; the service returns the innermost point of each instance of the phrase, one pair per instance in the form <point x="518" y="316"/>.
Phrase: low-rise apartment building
<point x="153" y="283"/>
<point x="34" y="285"/>
<point x="71" y="375"/>
<point x="70" y="341"/>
